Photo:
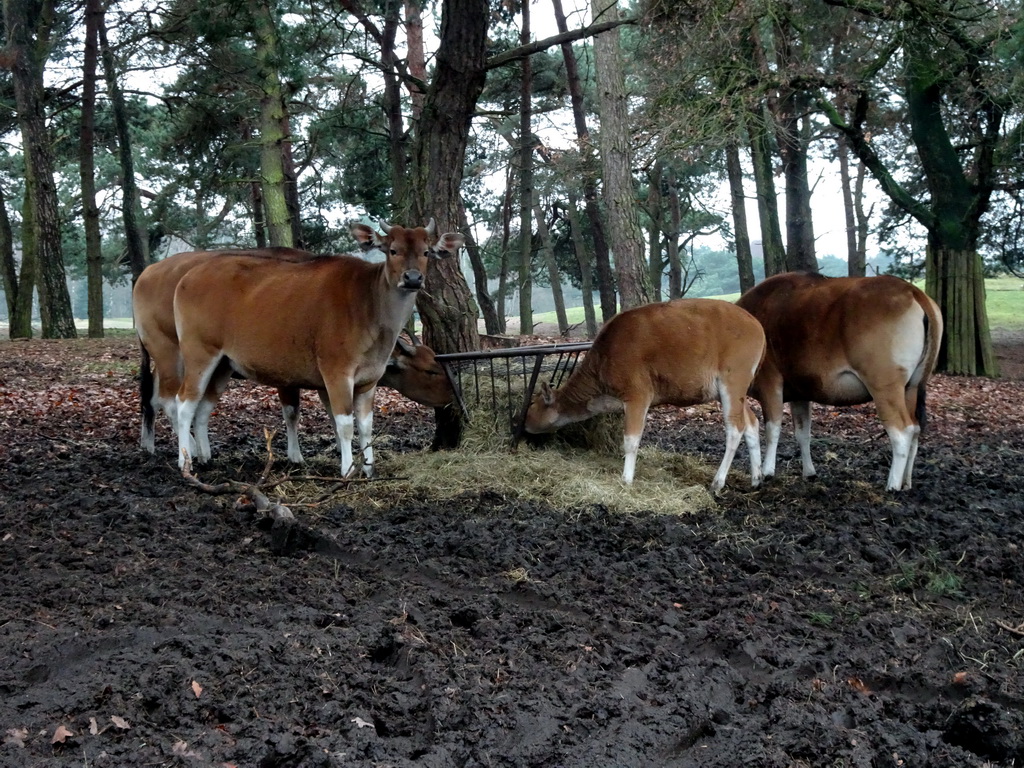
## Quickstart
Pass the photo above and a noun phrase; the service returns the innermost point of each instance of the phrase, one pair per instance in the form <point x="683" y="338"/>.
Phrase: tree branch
<point x="507" y="57"/>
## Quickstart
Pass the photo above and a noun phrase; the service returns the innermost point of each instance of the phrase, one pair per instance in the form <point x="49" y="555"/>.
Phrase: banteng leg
<point x="290" y="400"/>
<point x="903" y="433"/>
<point x="199" y="370"/>
<point x="770" y="397"/>
<point x="326" y="401"/>
<point x="364" y="422"/>
<point x="802" y="428"/>
<point x="739" y="424"/>
<point x="636" y="417"/>
<point x="340" y="395"/>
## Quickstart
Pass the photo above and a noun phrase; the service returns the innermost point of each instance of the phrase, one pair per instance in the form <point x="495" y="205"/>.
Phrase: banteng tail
<point x="146" y="399"/>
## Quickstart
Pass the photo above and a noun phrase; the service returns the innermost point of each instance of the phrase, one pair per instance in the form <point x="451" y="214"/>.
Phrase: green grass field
<point x="1004" y="295"/>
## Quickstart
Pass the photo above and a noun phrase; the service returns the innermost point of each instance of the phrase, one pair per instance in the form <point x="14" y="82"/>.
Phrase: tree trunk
<point x="8" y="269"/>
<point x="447" y="308"/>
<point x="625" y="237"/>
<point x="506" y="237"/>
<point x="272" y="120"/>
<point x="862" y="217"/>
<point x="259" y="222"/>
<point x="744" y="258"/>
<point x="21" y="319"/>
<point x="28" y="31"/>
<point x="767" y="201"/>
<point x="793" y="144"/>
<point x="483" y="297"/>
<point x="586" y="281"/>
<point x="602" y="262"/>
<point x="675" y="264"/>
<point x="416" y="59"/>
<point x="955" y="280"/>
<point x="526" y="195"/>
<point x="854" y="267"/>
<point x="553" y="277"/>
<point x="90" y="212"/>
<point x="397" y="138"/>
<point x="137" y="257"/>
<point x="655" y="214"/>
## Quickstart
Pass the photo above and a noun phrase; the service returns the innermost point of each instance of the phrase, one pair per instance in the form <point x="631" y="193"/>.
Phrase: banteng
<point x="329" y="324"/>
<point x="681" y="352"/>
<point x="412" y="369"/>
<point x="843" y="341"/>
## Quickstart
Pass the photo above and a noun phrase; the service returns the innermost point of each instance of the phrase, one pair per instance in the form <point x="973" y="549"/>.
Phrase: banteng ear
<point x="547" y="395"/>
<point x="405" y="347"/>
<point x="395" y="364"/>
<point x="447" y="245"/>
<point x="365" y="236"/>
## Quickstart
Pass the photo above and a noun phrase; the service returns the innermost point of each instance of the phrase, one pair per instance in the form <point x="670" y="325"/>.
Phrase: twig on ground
<point x="263" y="504"/>
<point x="1018" y="630"/>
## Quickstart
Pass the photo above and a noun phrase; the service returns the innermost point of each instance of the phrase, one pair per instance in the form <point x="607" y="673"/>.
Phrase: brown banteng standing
<point x="328" y="324"/>
<point x="412" y="369"/>
<point x="681" y="352"/>
<point x="844" y="341"/>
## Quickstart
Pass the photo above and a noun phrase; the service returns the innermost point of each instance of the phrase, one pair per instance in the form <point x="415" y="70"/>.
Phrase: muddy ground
<point x="811" y="623"/>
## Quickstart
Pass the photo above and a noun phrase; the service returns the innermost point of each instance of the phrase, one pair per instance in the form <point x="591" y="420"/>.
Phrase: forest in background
<point x="616" y="136"/>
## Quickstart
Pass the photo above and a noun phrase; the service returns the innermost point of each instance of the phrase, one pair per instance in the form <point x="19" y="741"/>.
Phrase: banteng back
<point x="327" y="324"/>
<point x="843" y="341"/>
<point x="681" y="352"/>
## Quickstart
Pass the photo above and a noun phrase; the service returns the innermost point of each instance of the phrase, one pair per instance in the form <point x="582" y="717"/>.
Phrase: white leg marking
<point x="732" y="442"/>
<point x="753" y="440"/>
<point x="631" y="444"/>
<point x="908" y="476"/>
<point x="344" y="427"/>
<point x="202" y="429"/>
<point x="901" y="440"/>
<point x="291" y="428"/>
<point x="186" y="446"/>
<point x="365" y="426"/>
<point x="772" y="430"/>
<point x="802" y="426"/>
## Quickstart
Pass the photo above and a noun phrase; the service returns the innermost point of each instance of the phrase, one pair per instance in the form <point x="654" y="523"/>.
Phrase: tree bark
<point x="28" y="46"/>
<point x="90" y="211"/>
<point x="553" y="277"/>
<point x="655" y="214"/>
<point x="586" y="281"/>
<point x="272" y="135"/>
<point x="767" y="200"/>
<point x="675" y="264"/>
<point x="744" y="257"/>
<point x="525" y="183"/>
<point x="446" y="306"/>
<point x="483" y="297"/>
<point x="137" y="257"/>
<point x="21" y="320"/>
<point x="794" y="141"/>
<point x="602" y="261"/>
<point x="626" y="239"/>
<point x="8" y="269"/>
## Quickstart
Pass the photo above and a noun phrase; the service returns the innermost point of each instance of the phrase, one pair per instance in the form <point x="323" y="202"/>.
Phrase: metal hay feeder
<point x="495" y="377"/>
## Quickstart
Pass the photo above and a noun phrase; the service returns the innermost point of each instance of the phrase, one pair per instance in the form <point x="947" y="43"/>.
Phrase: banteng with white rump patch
<point x="844" y="341"/>
<point x="328" y="324"/>
<point x="412" y="369"/>
<point x="681" y="352"/>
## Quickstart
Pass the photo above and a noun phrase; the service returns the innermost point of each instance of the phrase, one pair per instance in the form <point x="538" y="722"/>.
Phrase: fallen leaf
<point x="119" y="722"/>
<point x="858" y="685"/>
<point x="960" y="678"/>
<point x="197" y="689"/>
<point x="16" y="736"/>
<point x="61" y="735"/>
<point x="94" y="727"/>
<point x="360" y="723"/>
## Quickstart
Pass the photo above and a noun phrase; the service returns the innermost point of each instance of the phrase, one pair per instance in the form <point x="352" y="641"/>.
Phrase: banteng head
<point x="542" y="415"/>
<point x="414" y="371"/>
<point x="407" y="250"/>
